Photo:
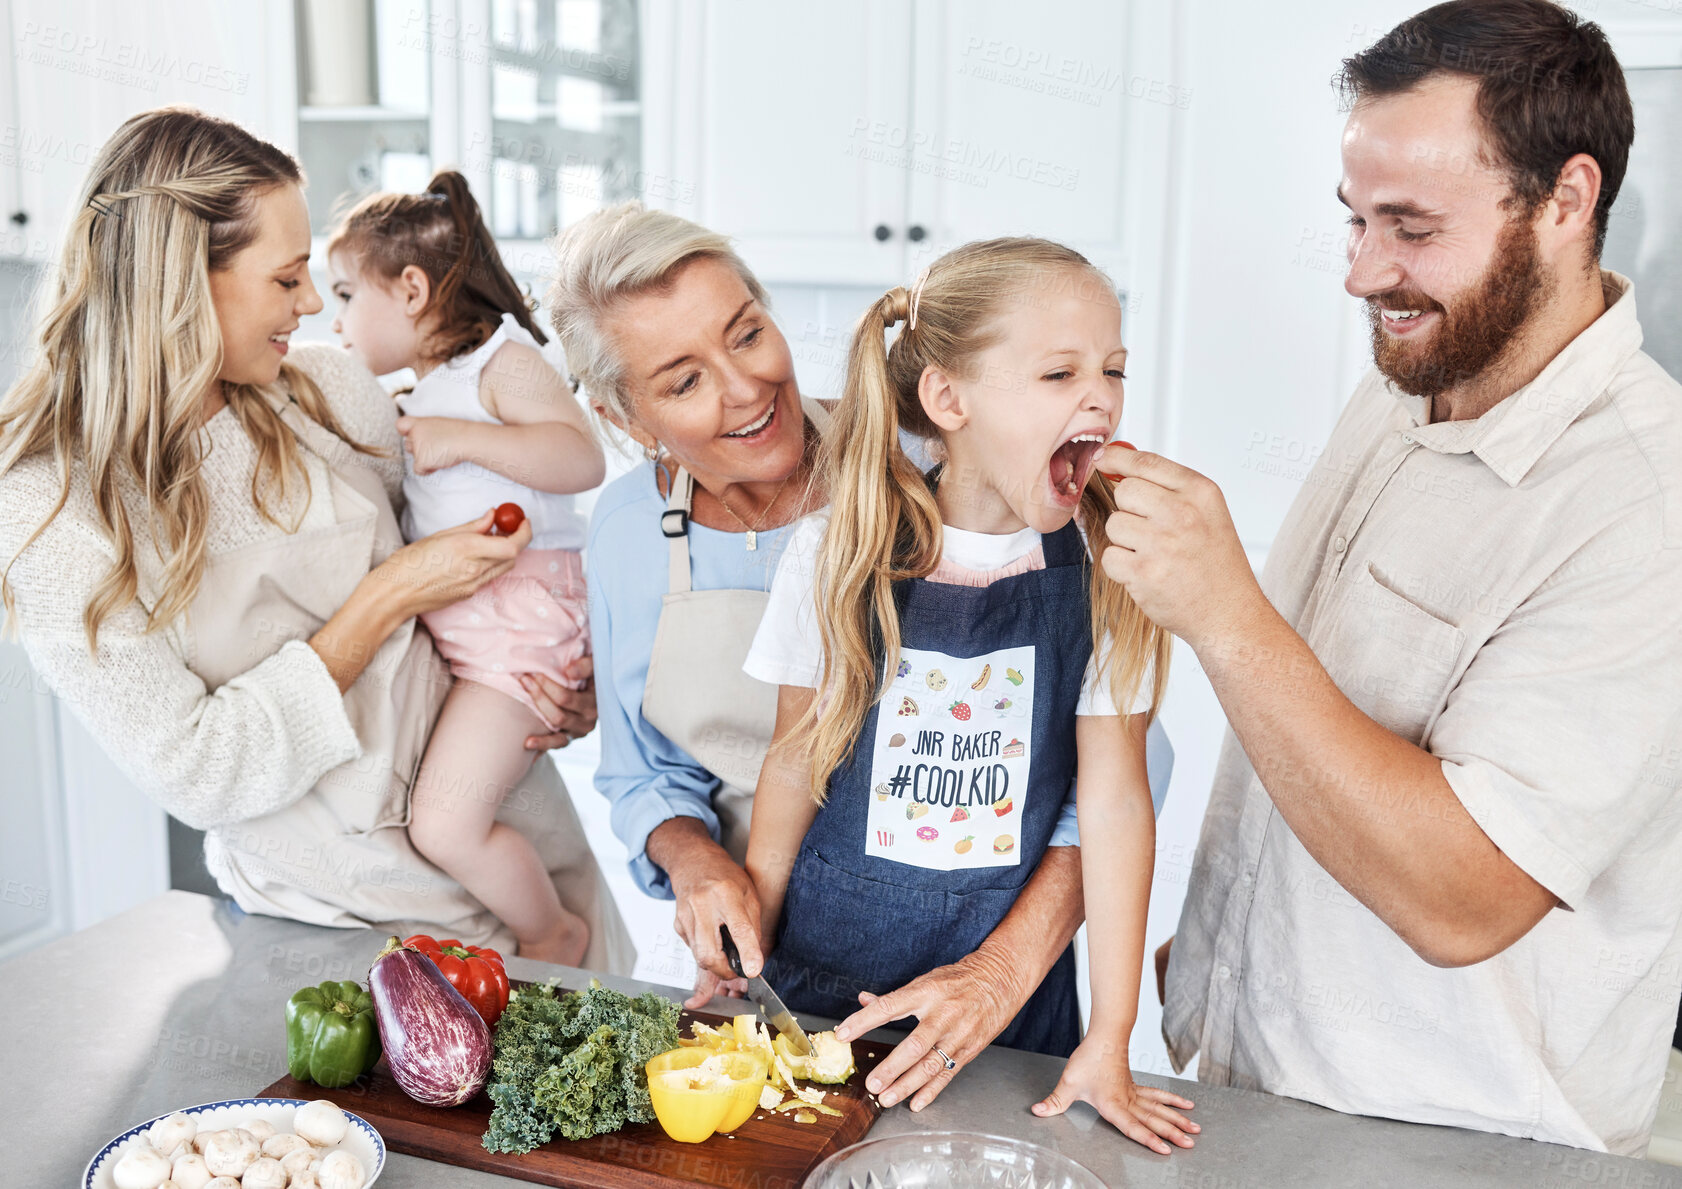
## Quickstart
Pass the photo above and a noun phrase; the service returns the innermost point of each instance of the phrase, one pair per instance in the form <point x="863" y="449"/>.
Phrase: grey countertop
<point x="179" y="1002"/>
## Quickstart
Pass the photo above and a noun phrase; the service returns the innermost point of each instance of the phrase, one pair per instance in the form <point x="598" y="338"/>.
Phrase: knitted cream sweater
<point x="210" y="757"/>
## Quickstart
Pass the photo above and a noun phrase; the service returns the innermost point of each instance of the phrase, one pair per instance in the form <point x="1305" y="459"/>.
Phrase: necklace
<point x="753" y="529"/>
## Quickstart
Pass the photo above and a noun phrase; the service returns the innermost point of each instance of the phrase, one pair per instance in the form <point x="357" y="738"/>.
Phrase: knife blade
<point x="765" y="998"/>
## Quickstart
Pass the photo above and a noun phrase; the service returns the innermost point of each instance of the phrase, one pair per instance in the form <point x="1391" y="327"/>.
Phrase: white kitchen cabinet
<point x="79" y="68"/>
<point x="33" y="884"/>
<point x="788" y="130"/>
<point x="1020" y="114"/>
<point x="78" y="842"/>
<point x="849" y="144"/>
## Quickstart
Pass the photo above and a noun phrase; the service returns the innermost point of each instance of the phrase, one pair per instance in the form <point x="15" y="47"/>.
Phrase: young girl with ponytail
<point x="420" y="284"/>
<point x="950" y="659"/>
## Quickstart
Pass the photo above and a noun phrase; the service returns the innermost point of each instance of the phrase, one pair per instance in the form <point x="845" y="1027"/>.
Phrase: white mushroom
<point x="170" y="1184"/>
<point x="222" y="1183"/>
<point x="247" y="1133"/>
<point x="320" y="1122"/>
<point x="201" y="1139"/>
<point x="260" y="1129"/>
<point x="142" y="1167"/>
<point x="304" y="1179"/>
<point x="172" y="1130"/>
<point x="297" y="1160"/>
<point x="190" y="1171"/>
<point x="283" y="1144"/>
<point x="341" y="1170"/>
<point x="229" y="1154"/>
<point x="265" y="1173"/>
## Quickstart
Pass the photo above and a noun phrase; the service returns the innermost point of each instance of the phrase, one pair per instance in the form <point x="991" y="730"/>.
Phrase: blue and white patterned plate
<point x="361" y="1140"/>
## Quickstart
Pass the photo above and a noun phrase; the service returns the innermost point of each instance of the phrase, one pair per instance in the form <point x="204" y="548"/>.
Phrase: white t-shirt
<point x="788" y="648"/>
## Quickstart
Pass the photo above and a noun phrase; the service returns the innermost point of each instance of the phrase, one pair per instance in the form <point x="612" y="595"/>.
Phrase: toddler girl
<point x="420" y="285"/>
<point x="972" y="661"/>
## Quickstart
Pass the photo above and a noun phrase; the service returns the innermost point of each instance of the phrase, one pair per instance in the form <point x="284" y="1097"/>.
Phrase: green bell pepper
<point x="332" y="1036"/>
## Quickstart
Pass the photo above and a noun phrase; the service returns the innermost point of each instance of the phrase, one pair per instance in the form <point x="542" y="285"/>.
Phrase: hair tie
<point x="899" y="306"/>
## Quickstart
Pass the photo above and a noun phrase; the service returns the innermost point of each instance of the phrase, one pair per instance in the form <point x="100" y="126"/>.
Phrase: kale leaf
<point x="574" y="1063"/>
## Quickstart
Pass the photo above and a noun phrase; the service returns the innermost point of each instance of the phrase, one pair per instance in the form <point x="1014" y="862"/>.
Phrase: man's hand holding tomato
<point x="1174" y="547"/>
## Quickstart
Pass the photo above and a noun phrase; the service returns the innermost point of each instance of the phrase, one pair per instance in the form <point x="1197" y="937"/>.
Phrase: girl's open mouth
<point x="1071" y="464"/>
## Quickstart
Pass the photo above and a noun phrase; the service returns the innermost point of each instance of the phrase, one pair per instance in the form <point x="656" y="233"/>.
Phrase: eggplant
<point x="437" y="1044"/>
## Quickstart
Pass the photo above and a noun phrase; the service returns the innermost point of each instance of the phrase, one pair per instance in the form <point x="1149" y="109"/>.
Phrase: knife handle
<point x="731" y="954"/>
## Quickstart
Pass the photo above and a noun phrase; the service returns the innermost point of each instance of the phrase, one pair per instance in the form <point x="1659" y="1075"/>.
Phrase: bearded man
<point x="1437" y="876"/>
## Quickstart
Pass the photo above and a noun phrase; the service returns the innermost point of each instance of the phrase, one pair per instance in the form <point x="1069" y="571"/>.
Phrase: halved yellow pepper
<point x="697" y="1092"/>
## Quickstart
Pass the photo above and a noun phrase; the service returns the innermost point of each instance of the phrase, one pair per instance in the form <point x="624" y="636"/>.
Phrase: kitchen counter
<point x="179" y="1002"/>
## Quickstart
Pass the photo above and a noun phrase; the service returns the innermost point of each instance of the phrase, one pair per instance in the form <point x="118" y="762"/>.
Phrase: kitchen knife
<point x="765" y="998"/>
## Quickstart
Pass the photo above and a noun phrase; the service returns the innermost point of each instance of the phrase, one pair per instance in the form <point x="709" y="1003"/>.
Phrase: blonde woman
<point x="672" y="337"/>
<point x="968" y="652"/>
<point x="200" y="548"/>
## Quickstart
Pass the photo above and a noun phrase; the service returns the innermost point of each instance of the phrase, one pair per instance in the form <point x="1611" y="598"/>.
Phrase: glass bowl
<point x="950" y="1160"/>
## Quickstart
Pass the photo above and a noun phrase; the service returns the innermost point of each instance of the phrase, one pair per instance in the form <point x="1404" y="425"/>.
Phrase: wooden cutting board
<point x="770" y="1151"/>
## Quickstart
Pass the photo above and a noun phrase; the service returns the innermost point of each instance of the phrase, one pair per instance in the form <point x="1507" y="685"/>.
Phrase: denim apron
<point x="937" y="820"/>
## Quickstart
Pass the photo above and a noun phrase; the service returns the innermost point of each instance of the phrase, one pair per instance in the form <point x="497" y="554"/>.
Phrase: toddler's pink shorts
<point x="533" y="619"/>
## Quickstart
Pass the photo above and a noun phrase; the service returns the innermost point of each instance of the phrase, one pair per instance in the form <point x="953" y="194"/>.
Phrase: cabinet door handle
<point x="883" y="232"/>
<point x="915" y="233"/>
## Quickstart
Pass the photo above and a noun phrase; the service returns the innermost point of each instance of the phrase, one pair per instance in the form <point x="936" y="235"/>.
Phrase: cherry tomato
<point x="508" y="518"/>
<point x="1111" y="475"/>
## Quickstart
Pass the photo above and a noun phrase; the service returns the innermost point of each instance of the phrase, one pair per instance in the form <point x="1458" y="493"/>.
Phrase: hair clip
<point x="104" y="204"/>
<point x="916" y="297"/>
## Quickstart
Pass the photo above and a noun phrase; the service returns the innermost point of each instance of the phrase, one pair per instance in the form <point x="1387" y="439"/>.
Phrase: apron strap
<point x="816" y="414"/>
<point x="674" y="523"/>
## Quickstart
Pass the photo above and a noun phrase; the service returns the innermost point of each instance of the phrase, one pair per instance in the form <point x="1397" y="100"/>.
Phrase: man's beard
<point x="1474" y="334"/>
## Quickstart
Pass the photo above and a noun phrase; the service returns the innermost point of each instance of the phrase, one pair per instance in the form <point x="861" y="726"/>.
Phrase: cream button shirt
<point x="1505" y="592"/>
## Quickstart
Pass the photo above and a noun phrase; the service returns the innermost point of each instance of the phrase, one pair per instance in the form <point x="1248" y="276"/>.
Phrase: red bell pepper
<point x="473" y="970"/>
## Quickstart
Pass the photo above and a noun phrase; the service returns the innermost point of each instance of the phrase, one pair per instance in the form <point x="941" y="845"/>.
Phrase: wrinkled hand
<point x="446" y="567"/>
<point x="959" y="1009"/>
<point x="1097" y="1073"/>
<point x="431" y="442"/>
<point x="1174" y="547"/>
<point x="711" y="890"/>
<point x="570" y="713"/>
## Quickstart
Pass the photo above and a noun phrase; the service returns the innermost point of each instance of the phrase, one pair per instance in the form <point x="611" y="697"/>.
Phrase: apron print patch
<point x="950" y="767"/>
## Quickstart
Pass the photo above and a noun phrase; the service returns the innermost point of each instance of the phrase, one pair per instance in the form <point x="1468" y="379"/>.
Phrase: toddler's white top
<point x="457" y="494"/>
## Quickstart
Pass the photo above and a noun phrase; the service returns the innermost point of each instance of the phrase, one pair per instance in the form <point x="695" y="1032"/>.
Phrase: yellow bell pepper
<point x="829" y="1062"/>
<point x="697" y="1092"/>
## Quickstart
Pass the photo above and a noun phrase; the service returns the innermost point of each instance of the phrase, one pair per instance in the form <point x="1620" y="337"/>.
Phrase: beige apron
<point x="696" y="694"/>
<point x="340" y="855"/>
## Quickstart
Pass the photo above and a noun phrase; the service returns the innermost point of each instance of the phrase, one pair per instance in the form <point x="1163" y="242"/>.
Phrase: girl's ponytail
<point x="477" y="269"/>
<point x="1136" y="644"/>
<point x="442" y="232"/>
<point x="884" y="525"/>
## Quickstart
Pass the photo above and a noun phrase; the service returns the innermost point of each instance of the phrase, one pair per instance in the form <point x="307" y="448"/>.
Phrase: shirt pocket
<point x="1392" y="658"/>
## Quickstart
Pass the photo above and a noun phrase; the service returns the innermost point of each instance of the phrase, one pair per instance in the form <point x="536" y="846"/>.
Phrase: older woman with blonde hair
<point x="198" y="544"/>
<point x="671" y="334"/>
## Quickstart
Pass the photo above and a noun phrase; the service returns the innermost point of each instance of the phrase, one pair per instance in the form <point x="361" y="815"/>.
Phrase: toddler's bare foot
<point x="564" y="947"/>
